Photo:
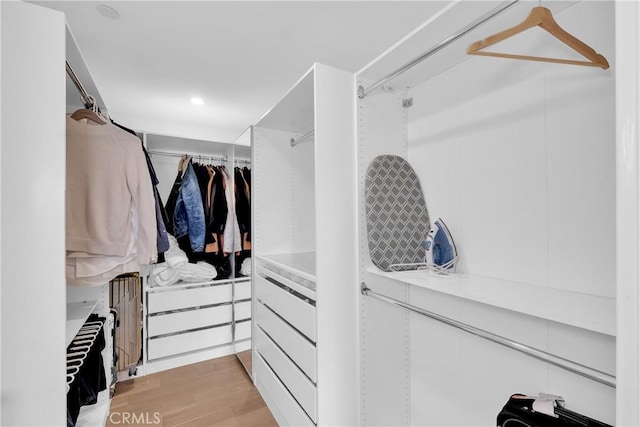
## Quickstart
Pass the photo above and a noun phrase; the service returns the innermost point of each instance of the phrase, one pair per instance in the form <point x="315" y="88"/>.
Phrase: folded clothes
<point x="177" y="268"/>
<point x="198" y="272"/>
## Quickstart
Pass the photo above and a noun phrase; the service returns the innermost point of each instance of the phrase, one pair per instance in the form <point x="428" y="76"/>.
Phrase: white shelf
<point x="77" y="314"/>
<point x="301" y="264"/>
<point x="590" y="312"/>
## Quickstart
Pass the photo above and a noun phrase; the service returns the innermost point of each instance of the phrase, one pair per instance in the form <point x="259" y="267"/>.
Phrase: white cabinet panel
<point x="242" y="290"/>
<point x="186" y="320"/>
<point x="243" y="330"/>
<point x="242" y="311"/>
<point x="297" y="347"/>
<point x="303" y="390"/>
<point x="187" y="298"/>
<point x="294" y="310"/>
<point x="275" y="393"/>
<point x="189" y="341"/>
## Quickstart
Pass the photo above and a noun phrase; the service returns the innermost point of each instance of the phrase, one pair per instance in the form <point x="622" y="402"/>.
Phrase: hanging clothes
<point x="243" y="208"/>
<point x="189" y="212"/>
<point x="110" y="207"/>
<point x="170" y="207"/>
<point x="232" y="241"/>
<point x="161" y="216"/>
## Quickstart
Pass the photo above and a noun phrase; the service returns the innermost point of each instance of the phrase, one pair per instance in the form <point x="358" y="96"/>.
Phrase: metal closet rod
<point x="195" y="156"/>
<point x="362" y="92"/>
<point x="576" y="368"/>
<point x="295" y="141"/>
<point x="86" y="98"/>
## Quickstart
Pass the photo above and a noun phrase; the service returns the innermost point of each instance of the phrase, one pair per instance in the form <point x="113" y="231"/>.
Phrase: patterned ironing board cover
<point x="397" y="217"/>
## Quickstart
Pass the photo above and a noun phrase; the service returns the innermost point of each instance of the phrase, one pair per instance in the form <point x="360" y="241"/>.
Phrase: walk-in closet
<point x="320" y="213"/>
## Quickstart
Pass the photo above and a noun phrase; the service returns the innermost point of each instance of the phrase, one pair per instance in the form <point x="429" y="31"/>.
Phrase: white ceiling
<point x="239" y="56"/>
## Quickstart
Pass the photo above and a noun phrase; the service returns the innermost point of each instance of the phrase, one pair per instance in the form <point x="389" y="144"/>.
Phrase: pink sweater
<point x="107" y="178"/>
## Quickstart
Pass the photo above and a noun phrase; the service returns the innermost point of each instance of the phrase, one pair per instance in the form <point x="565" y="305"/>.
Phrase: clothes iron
<point x="440" y="250"/>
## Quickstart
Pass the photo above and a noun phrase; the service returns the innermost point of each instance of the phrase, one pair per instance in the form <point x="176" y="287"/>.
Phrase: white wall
<point x="518" y="157"/>
<point x="32" y="276"/>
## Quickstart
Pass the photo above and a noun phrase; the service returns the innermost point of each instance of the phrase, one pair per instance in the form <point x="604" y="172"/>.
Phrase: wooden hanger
<point x="541" y="17"/>
<point x="85" y="113"/>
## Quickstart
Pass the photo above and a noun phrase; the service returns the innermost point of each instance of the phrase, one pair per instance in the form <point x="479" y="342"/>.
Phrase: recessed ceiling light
<point x="197" y="101"/>
<point x="107" y="11"/>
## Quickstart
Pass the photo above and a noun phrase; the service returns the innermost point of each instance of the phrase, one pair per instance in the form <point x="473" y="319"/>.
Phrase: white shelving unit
<point x="504" y="150"/>
<point x="305" y="254"/>
<point x="590" y="312"/>
<point x="190" y="322"/>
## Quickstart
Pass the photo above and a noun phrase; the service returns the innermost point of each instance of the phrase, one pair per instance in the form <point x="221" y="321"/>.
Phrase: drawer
<point x="189" y="319"/>
<point x="277" y="395"/>
<point x="303" y="390"/>
<point x="186" y="298"/>
<point x="243" y="330"/>
<point x="188" y="341"/>
<point x="242" y="310"/>
<point x="297" y="347"/>
<point x="298" y="284"/>
<point x="242" y="290"/>
<point x="300" y="314"/>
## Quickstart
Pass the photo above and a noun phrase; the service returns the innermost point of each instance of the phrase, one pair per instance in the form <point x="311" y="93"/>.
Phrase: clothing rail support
<point x="571" y="366"/>
<point x="86" y="98"/>
<point x="295" y="141"/>
<point x="362" y="92"/>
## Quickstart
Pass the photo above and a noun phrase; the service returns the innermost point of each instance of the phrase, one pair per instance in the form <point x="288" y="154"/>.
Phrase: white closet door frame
<point x="628" y="213"/>
<point x="33" y="222"/>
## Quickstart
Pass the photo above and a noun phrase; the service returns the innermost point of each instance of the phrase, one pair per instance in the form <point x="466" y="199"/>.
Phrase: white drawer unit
<point x="300" y="387"/>
<point x="277" y="395"/>
<point x="195" y="321"/>
<point x="161" y="324"/>
<point x="290" y="306"/>
<point x="189" y="341"/>
<point x="301" y="351"/>
<point x="169" y="300"/>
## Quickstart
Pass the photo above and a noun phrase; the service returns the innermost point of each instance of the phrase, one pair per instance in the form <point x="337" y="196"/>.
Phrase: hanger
<point x="541" y="17"/>
<point x="85" y="113"/>
<point x="91" y="112"/>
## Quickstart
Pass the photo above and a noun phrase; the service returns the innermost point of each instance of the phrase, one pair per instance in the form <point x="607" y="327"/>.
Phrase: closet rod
<point x="86" y="98"/>
<point x="362" y="92"/>
<point x="295" y="141"/>
<point x="242" y="161"/>
<point x="196" y="156"/>
<point x="576" y="368"/>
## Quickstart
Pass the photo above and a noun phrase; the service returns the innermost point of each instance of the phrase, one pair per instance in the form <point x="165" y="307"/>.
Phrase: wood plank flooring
<point x="216" y="392"/>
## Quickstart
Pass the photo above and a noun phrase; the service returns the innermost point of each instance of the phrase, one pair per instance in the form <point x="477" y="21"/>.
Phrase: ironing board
<point x="397" y="217"/>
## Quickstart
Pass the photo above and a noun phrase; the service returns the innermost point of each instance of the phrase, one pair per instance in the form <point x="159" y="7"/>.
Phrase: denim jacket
<point x="189" y="213"/>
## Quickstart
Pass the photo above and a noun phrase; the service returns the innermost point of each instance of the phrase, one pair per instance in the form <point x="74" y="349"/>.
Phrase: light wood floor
<point x="216" y="392"/>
